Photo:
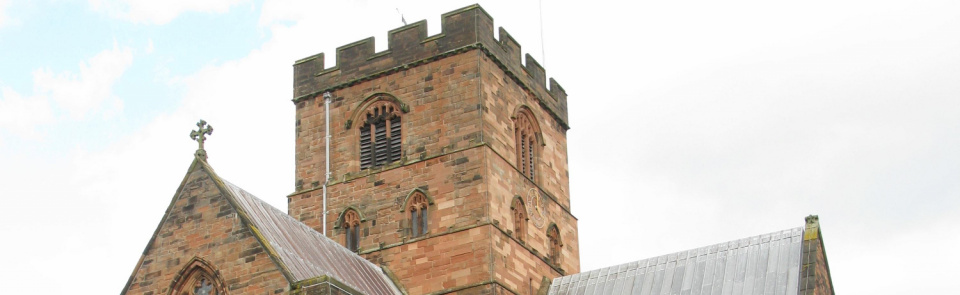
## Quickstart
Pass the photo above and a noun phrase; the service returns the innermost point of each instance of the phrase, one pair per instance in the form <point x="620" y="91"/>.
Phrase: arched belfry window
<point x="519" y="212"/>
<point x="417" y="208"/>
<point x="527" y="142"/>
<point x="351" y="229"/>
<point x="380" y="135"/>
<point x="198" y="278"/>
<point x="555" y="244"/>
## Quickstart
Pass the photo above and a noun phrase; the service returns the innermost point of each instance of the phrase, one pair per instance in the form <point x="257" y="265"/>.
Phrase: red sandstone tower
<point x="448" y="159"/>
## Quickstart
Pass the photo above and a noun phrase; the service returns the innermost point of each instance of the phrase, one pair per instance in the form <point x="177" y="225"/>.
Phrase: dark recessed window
<point x="527" y="141"/>
<point x="553" y="238"/>
<point x="351" y="230"/>
<point x="419" y="220"/>
<point x="519" y="219"/>
<point x="380" y="135"/>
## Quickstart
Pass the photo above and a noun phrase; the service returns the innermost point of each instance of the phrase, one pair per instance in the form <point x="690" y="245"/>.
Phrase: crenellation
<point x="468" y="28"/>
<point x="352" y="56"/>
<point x="406" y="40"/>
<point x="558" y="93"/>
<point x="535" y="70"/>
<point x="509" y="45"/>
<point x="304" y="71"/>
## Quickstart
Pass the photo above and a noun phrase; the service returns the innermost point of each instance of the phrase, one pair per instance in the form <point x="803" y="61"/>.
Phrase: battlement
<point x="463" y="29"/>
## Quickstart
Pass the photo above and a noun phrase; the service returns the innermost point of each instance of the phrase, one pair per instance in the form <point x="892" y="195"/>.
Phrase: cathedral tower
<point x="448" y="158"/>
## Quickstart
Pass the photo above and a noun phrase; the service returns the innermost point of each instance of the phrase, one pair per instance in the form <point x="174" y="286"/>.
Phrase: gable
<point x="251" y="245"/>
<point x="201" y="224"/>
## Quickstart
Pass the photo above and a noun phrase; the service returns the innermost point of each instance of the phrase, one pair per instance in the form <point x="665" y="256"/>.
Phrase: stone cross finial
<point x="199" y="136"/>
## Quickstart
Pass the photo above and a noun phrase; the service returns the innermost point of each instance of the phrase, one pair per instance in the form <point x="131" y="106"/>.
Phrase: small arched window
<point x="380" y="135"/>
<point x="417" y="208"/>
<point x="519" y="219"/>
<point x="351" y="229"/>
<point x="555" y="244"/>
<point x="527" y="141"/>
<point x="204" y="286"/>
<point x="198" y="278"/>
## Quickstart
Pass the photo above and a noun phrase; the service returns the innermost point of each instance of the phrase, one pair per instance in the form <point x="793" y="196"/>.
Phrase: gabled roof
<point x="301" y="252"/>
<point x="764" y="264"/>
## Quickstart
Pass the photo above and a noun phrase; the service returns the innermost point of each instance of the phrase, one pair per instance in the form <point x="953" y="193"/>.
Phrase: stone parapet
<point x="468" y="28"/>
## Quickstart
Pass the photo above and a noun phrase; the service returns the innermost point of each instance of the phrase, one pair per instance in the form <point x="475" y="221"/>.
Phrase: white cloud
<point x="158" y="12"/>
<point x="86" y="91"/>
<point x="78" y="94"/>
<point x="21" y="115"/>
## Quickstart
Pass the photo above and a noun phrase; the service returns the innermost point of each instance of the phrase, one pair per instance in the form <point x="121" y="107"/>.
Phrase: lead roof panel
<point x="306" y="253"/>
<point x="764" y="264"/>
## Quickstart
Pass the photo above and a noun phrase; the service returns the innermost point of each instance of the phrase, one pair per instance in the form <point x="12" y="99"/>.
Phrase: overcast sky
<point x="693" y="123"/>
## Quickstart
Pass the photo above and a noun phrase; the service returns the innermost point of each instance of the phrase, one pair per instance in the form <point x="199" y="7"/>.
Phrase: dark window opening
<point x="526" y="138"/>
<point x="351" y="226"/>
<point x="419" y="219"/>
<point x="380" y="136"/>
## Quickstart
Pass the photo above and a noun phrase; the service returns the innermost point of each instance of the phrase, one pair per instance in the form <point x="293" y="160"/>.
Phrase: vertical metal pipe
<point x="326" y="158"/>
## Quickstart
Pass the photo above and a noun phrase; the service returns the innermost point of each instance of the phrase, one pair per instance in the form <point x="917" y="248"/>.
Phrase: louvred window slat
<point x="380" y="135"/>
<point x="527" y="142"/>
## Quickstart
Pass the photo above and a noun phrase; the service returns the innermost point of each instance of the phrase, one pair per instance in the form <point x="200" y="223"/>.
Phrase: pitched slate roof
<point x="764" y="264"/>
<point x="301" y="252"/>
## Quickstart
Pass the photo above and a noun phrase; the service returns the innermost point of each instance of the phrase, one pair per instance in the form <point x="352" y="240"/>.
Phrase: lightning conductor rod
<point x="543" y="46"/>
<point x="326" y="158"/>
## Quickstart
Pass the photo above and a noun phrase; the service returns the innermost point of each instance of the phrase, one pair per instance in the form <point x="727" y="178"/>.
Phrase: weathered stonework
<point x="815" y="272"/>
<point x="459" y="91"/>
<point x="201" y="223"/>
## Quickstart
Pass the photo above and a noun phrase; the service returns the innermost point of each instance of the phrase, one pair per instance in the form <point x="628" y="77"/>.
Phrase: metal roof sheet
<point x="305" y="253"/>
<point x="764" y="264"/>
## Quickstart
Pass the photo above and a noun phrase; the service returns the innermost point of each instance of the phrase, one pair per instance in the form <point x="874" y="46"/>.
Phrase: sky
<point x="730" y="119"/>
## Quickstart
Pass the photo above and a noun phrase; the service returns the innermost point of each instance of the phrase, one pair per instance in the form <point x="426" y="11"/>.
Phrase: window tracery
<point x="527" y="142"/>
<point x="380" y="135"/>
<point x="351" y="227"/>
<point x="419" y="220"/>
<point x="204" y="287"/>
<point x="197" y="278"/>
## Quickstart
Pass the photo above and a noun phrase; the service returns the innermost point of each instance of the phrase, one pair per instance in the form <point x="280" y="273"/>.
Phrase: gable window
<point x="417" y="209"/>
<point x="351" y="229"/>
<point x="553" y="240"/>
<point x="204" y="287"/>
<point x="197" y="278"/>
<point x="527" y="142"/>
<point x="380" y="135"/>
<point x="519" y="219"/>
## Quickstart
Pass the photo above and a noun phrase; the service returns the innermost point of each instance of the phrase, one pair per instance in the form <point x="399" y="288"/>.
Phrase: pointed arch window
<point x="519" y="212"/>
<point x="555" y="244"/>
<point x="419" y="220"/>
<point x="380" y="135"/>
<point x="198" y="278"/>
<point x="351" y="229"/>
<point x="527" y="142"/>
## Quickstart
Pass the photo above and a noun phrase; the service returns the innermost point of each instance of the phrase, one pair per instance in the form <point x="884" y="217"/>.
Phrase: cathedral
<point x="436" y="166"/>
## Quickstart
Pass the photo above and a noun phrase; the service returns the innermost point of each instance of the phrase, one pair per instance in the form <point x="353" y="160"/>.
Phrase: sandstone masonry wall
<point x="458" y="91"/>
<point x="201" y="223"/>
<point x="442" y="153"/>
